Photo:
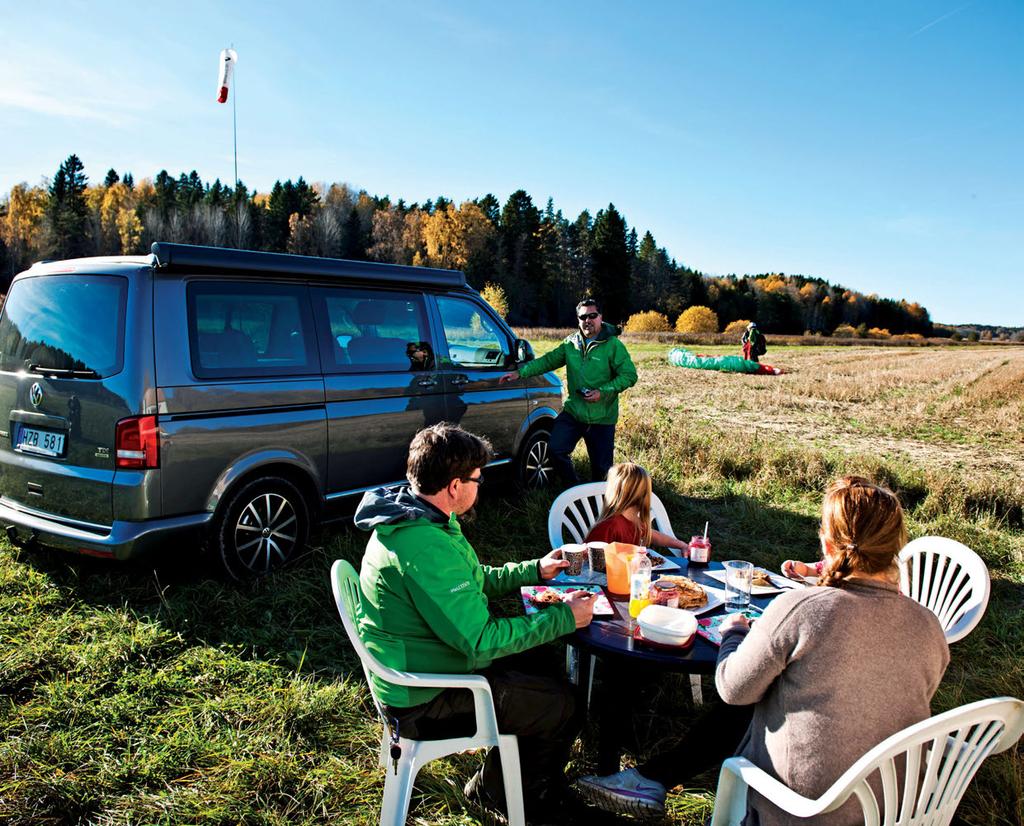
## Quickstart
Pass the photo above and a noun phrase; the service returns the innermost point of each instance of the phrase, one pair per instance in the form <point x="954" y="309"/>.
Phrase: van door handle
<point x="427" y="382"/>
<point x="458" y="381"/>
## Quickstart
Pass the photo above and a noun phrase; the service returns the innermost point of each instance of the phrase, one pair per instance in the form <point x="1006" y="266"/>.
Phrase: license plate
<point x="44" y="442"/>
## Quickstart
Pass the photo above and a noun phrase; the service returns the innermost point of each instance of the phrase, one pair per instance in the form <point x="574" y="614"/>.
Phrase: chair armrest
<point x="483" y="700"/>
<point x="778" y="793"/>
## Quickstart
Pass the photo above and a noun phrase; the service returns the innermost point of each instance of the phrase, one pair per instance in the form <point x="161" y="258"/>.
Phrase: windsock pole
<point x="228" y="59"/>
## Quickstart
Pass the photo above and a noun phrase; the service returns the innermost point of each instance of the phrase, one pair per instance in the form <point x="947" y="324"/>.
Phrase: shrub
<point x="494" y="295"/>
<point x="973" y="335"/>
<point x="956" y="337"/>
<point x="878" y="332"/>
<point x="738" y="326"/>
<point x="697" y="319"/>
<point x="649" y="321"/>
<point x="908" y="337"/>
<point x="844" y="331"/>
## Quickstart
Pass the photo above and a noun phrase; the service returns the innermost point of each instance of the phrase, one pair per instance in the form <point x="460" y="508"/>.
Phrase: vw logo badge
<point x="35" y="394"/>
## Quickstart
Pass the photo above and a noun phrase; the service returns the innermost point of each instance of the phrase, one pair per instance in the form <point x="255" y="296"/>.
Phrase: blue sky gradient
<point x="875" y="145"/>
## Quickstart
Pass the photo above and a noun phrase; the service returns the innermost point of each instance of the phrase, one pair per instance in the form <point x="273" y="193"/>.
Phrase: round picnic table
<point x="610" y="638"/>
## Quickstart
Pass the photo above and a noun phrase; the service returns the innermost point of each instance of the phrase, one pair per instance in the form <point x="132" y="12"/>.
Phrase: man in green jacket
<point x="425" y="608"/>
<point x="597" y="368"/>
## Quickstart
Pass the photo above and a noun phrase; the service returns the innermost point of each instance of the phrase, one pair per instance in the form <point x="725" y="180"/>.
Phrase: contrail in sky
<point x="940" y="19"/>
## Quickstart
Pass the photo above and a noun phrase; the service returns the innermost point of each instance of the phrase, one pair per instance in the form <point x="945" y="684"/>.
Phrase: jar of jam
<point x="664" y="593"/>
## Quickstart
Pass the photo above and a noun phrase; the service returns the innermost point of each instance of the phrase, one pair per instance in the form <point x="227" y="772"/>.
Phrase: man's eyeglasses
<point x="588" y="316"/>
<point x="478" y="479"/>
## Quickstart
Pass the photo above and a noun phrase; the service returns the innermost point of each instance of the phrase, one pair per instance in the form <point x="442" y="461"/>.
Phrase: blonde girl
<point x="626" y="516"/>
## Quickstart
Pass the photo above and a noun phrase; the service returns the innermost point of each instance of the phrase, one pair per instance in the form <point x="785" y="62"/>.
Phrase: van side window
<point x="373" y="331"/>
<point x="474" y="339"/>
<point x="239" y="329"/>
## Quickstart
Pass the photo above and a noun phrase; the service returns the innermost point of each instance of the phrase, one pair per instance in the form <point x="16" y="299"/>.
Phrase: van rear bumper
<point x="122" y="540"/>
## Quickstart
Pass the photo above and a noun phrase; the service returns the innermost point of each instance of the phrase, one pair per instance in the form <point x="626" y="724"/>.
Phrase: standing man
<point x="597" y="369"/>
<point x="753" y="342"/>
<point x="425" y="608"/>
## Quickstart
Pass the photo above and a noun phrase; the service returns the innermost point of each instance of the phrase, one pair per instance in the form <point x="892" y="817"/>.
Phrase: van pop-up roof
<point x="190" y="258"/>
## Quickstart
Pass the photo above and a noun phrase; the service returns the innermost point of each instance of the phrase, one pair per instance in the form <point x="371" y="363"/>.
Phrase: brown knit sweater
<point x="833" y="672"/>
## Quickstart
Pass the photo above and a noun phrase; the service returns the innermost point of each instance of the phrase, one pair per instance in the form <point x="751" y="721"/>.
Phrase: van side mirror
<point x="524" y="352"/>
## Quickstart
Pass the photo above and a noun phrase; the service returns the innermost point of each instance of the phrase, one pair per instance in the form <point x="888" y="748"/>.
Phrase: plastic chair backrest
<point x="949" y="579"/>
<point x="940" y="755"/>
<point x="578" y="509"/>
<point x="923" y="770"/>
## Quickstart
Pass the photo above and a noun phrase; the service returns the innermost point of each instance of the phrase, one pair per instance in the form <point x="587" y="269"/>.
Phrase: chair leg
<point x="590" y="678"/>
<point x="398" y="789"/>
<point x="512" y="778"/>
<point x="385" y="748"/>
<point x="698" y="691"/>
<point x="572" y="664"/>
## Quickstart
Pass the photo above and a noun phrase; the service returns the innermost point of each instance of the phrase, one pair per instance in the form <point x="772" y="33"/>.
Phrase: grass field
<point x="154" y="695"/>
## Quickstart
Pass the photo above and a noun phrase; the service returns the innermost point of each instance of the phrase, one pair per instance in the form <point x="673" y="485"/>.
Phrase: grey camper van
<point x="236" y="397"/>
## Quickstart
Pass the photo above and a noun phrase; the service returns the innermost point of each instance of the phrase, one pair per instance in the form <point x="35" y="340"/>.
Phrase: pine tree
<point x="612" y="270"/>
<point x="128" y="180"/>
<point x="520" y="261"/>
<point x="111" y="179"/>
<point x="67" y="214"/>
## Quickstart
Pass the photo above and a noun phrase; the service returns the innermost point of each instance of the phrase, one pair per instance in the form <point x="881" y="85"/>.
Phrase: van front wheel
<point x="534" y="466"/>
<point x="263" y="526"/>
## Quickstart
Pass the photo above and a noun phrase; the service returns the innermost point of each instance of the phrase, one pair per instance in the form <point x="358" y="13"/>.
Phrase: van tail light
<point x="137" y="442"/>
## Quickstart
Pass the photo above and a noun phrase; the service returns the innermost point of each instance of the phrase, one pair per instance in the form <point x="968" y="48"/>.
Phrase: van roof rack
<point x="188" y="257"/>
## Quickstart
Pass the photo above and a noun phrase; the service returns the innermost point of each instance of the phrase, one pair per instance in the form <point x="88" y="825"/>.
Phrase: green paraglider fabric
<point x="681" y="357"/>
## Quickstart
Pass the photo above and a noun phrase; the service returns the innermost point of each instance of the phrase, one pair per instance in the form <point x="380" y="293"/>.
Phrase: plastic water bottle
<point x="639" y="583"/>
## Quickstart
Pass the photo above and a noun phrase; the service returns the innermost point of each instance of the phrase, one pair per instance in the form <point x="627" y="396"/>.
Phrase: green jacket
<point x="603" y="364"/>
<point x="425" y="597"/>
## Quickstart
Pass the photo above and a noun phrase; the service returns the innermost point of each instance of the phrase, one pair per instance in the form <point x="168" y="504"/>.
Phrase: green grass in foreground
<point x="141" y="695"/>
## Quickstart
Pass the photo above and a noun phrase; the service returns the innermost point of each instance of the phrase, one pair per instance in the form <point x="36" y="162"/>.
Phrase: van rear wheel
<point x="263" y="526"/>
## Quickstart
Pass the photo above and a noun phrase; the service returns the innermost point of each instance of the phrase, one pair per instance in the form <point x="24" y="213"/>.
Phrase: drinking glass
<point x="738" y="576"/>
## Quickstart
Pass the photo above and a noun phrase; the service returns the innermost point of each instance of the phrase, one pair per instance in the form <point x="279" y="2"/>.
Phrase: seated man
<point x="425" y="609"/>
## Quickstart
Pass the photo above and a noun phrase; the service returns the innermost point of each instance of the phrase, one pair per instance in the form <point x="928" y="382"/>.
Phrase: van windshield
<point x="71" y="324"/>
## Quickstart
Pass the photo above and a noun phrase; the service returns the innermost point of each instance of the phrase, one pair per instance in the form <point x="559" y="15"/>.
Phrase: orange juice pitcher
<point x="617" y="557"/>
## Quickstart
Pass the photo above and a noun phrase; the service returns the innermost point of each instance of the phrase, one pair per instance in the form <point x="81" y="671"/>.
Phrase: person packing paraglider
<point x="754" y="344"/>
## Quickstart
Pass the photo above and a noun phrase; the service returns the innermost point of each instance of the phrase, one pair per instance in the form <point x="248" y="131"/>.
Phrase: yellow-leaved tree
<point x="650" y="321"/>
<point x="21" y="221"/>
<point x="737" y="326"/>
<point x="494" y="295"/>
<point x="697" y="319"/>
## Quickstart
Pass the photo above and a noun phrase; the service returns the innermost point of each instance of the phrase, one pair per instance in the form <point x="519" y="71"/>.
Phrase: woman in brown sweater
<point x="828" y="672"/>
<point x="834" y="670"/>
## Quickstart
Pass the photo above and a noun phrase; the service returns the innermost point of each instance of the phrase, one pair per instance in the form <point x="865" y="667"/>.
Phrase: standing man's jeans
<point x="599" y="439"/>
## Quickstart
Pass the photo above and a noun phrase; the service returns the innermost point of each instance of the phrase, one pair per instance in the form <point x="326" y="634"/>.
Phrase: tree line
<point x="543" y="260"/>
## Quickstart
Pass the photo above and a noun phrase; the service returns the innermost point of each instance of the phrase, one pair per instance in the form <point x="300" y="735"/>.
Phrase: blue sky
<point x="874" y="144"/>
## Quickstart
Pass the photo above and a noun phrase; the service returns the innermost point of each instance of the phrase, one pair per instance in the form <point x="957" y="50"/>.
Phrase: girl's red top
<point x="617" y="529"/>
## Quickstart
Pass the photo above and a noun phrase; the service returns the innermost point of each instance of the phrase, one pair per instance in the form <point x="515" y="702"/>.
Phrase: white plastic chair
<point x="574" y="512"/>
<point x="578" y="509"/>
<point x="415" y="754"/>
<point x="940" y="754"/>
<point x="947" y="578"/>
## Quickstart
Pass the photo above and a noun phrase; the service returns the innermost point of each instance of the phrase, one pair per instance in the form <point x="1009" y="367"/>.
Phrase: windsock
<point x="228" y="59"/>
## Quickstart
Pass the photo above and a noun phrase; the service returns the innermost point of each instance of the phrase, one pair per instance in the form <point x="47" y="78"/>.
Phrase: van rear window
<point x="71" y="323"/>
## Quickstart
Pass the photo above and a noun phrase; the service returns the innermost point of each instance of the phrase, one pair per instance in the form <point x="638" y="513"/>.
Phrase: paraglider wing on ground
<point x="681" y="357"/>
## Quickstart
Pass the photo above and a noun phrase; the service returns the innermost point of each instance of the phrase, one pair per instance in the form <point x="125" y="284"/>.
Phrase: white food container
<point x="667" y="626"/>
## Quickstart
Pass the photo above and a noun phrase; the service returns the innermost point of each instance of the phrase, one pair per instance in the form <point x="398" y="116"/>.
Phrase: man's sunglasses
<point x="479" y="479"/>
<point x="588" y="316"/>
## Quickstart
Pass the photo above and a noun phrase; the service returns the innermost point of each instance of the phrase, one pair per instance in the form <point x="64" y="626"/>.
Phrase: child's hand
<point x="798" y="570"/>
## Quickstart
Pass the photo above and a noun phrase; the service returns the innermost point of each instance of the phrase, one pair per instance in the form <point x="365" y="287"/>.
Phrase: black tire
<point x="262" y="527"/>
<point x="534" y="469"/>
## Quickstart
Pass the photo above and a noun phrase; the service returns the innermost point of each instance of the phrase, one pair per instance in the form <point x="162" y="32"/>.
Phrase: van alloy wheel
<point x="535" y="467"/>
<point x="262" y="527"/>
<point x="265" y="533"/>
